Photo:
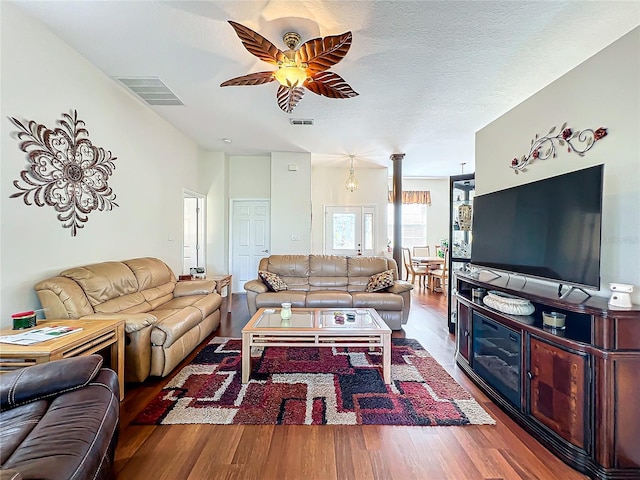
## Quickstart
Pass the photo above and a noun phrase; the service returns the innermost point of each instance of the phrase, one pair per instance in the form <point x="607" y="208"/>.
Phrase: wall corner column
<point x="396" y="158"/>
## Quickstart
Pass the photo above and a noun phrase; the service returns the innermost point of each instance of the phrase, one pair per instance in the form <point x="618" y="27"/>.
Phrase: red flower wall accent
<point x="545" y="146"/>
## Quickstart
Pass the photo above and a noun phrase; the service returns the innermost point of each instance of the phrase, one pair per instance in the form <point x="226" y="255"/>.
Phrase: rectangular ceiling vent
<point x="301" y="121"/>
<point x="151" y="90"/>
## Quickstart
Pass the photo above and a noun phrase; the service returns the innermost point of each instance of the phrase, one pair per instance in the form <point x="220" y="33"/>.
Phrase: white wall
<point x="328" y="190"/>
<point x="249" y="177"/>
<point x="601" y="92"/>
<point x="213" y="175"/>
<point x="290" y="203"/>
<point x="42" y="77"/>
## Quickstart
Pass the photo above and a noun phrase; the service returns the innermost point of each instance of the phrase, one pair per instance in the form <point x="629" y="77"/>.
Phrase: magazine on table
<point x="38" y="335"/>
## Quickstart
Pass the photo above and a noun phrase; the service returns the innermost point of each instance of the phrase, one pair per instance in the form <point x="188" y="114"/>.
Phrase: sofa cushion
<point x="104" y="281"/>
<point x="328" y="272"/>
<point x="327" y="266"/>
<point x="63" y="297"/>
<point x="207" y="304"/>
<point x="158" y="295"/>
<point x="361" y="268"/>
<point x="172" y="324"/>
<point x="297" y="298"/>
<point x="194" y="287"/>
<point x="288" y="265"/>
<point x="17" y="423"/>
<point x="328" y="299"/>
<point x="332" y="283"/>
<point x="377" y="300"/>
<point x="150" y="272"/>
<point x="47" y="380"/>
<point x="273" y="281"/>
<point x="293" y="269"/>
<point x="132" y="303"/>
<point x="380" y="281"/>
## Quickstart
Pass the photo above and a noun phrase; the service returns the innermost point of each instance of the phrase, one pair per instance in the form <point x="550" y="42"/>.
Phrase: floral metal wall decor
<point x="65" y="170"/>
<point x="543" y="147"/>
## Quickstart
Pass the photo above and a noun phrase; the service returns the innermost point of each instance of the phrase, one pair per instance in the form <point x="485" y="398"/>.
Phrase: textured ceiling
<point x="429" y="73"/>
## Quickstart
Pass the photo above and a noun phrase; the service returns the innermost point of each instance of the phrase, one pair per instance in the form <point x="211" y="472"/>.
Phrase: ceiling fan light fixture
<point x="352" y="183"/>
<point x="300" y="68"/>
<point x="291" y="76"/>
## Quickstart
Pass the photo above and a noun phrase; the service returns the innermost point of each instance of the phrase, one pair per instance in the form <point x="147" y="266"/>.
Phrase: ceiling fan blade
<point x="252" y="79"/>
<point x="288" y="98"/>
<point x="322" y="53"/>
<point x="331" y="85"/>
<point x="257" y="45"/>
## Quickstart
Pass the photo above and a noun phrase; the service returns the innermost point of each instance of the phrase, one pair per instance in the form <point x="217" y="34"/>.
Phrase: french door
<point x="349" y="230"/>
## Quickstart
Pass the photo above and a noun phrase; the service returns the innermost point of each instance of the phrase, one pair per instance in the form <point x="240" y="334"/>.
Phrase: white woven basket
<point x="508" y="304"/>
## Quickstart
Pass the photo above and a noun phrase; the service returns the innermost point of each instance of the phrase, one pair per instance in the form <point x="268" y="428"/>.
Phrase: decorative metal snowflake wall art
<point x="543" y="147"/>
<point x="65" y="170"/>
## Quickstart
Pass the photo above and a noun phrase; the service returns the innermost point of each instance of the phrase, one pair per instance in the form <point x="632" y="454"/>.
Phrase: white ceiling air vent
<point x="301" y="121"/>
<point x="151" y="90"/>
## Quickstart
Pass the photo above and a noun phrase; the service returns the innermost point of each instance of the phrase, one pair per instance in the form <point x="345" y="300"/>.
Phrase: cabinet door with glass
<point x="461" y="190"/>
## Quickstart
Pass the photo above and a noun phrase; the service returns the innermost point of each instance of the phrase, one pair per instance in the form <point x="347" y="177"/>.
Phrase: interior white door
<point x="349" y="230"/>
<point x="250" y="239"/>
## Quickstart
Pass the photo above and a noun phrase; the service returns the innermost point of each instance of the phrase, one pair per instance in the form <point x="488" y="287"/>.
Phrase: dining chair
<point x="416" y="271"/>
<point x="438" y="278"/>
<point x="421" y="251"/>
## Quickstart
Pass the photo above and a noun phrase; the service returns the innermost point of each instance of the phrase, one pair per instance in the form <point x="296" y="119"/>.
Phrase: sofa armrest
<point x="194" y="287"/>
<point x="132" y="321"/>
<point x="47" y="380"/>
<point x="256" y="286"/>
<point x="400" y="286"/>
<point x="8" y="474"/>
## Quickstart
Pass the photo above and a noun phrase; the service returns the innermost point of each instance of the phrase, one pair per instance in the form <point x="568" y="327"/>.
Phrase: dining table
<point x="431" y="262"/>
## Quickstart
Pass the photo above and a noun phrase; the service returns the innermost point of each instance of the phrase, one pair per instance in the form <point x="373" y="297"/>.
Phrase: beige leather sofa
<point x="164" y="319"/>
<point x="332" y="281"/>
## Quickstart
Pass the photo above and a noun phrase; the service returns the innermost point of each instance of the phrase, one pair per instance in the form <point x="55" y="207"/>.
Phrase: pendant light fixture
<point x="351" y="184"/>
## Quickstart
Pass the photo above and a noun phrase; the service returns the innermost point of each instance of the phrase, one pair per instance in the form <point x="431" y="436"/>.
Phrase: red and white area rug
<point x="313" y="386"/>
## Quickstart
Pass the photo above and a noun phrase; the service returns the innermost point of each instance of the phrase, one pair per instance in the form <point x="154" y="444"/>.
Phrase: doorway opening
<point x="193" y="239"/>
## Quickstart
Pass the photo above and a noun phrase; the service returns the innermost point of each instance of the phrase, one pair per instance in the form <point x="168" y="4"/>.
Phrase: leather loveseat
<point x="164" y="319"/>
<point x="59" y="420"/>
<point x="332" y="281"/>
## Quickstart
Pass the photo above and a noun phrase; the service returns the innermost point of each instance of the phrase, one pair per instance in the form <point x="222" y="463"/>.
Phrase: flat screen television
<point x="549" y="229"/>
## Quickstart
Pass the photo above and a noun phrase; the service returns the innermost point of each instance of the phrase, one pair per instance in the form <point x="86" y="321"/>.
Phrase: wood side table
<point x="223" y="285"/>
<point x="95" y="335"/>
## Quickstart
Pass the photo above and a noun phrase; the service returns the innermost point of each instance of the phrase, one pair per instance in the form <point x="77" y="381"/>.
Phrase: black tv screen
<point x="549" y="229"/>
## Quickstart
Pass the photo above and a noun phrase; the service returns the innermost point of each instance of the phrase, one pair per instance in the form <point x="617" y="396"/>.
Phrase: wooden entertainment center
<point x="575" y="390"/>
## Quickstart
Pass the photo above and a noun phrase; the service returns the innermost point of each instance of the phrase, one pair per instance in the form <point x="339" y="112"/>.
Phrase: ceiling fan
<point x="298" y="68"/>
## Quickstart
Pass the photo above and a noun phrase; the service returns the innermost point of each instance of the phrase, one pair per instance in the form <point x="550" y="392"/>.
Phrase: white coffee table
<point x="317" y="327"/>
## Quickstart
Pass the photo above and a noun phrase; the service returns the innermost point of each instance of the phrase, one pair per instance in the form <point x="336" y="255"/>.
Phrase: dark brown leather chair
<point x="59" y="420"/>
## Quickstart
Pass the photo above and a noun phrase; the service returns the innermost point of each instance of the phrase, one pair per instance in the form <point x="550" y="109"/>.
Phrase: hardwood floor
<point x="490" y="452"/>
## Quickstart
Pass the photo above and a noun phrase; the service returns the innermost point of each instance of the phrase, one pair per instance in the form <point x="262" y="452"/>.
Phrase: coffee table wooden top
<point x="317" y="320"/>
